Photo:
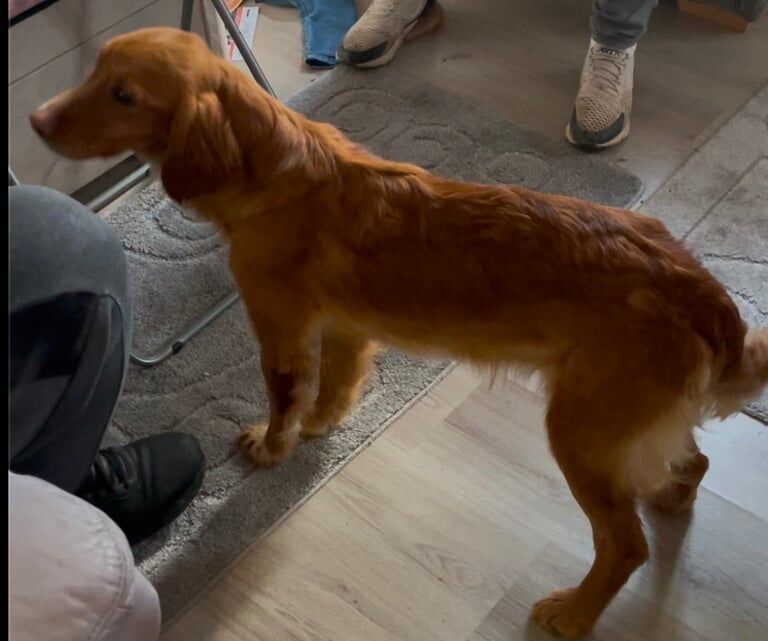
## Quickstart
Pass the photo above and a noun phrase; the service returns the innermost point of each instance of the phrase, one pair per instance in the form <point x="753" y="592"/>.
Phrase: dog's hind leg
<point x="620" y="546"/>
<point x="587" y="418"/>
<point x="345" y="362"/>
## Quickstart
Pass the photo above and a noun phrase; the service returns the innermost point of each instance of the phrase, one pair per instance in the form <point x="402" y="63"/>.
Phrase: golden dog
<point x="636" y="341"/>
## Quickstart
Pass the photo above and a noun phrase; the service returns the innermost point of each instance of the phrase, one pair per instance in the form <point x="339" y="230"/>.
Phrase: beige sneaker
<point x="601" y="114"/>
<point x="375" y="38"/>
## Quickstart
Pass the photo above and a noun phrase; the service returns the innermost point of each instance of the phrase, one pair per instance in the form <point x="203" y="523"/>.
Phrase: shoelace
<point x="110" y="470"/>
<point x="382" y="8"/>
<point x="607" y="66"/>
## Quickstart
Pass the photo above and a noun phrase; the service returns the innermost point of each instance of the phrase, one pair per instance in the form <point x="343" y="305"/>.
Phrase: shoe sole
<point x="422" y="26"/>
<point x="603" y="145"/>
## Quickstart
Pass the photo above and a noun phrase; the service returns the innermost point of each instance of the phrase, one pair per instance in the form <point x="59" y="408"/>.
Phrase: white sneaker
<point x="375" y="38"/>
<point x="601" y="114"/>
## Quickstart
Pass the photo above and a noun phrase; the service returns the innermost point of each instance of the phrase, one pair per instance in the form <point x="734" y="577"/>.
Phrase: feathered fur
<point x="637" y="342"/>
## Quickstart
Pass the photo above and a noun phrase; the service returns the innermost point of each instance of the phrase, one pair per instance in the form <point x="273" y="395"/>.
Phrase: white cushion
<point x="71" y="571"/>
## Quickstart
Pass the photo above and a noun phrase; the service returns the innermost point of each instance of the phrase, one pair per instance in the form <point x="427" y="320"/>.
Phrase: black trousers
<point x="70" y="334"/>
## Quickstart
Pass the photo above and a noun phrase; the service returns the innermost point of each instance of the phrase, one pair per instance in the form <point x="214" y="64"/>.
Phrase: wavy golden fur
<point x="636" y="341"/>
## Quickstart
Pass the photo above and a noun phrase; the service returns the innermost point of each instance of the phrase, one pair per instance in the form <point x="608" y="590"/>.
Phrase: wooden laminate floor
<point x="456" y="519"/>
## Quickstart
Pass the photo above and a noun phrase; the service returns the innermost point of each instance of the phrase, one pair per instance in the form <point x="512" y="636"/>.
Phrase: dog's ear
<point x="203" y="153"/>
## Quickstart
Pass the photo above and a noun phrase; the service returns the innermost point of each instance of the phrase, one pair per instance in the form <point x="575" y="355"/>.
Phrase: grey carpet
<point x="213" y="387"/>
<point x="718" y="202"/>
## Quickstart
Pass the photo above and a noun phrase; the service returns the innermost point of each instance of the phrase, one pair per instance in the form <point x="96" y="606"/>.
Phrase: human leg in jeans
<point x="601" y="113"/>
<point x="70" y="336"/>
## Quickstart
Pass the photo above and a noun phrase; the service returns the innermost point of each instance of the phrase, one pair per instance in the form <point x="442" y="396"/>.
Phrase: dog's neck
<point x="286" y="157"/>
<point x="280" y="142"/>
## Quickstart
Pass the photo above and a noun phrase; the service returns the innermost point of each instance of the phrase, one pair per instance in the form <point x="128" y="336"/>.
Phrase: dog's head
<point x="161" y="93"/>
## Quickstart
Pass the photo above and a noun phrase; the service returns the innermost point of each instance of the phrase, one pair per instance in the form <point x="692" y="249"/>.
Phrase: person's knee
<point x="45" y="212"/>
<point x="57" y="245"/>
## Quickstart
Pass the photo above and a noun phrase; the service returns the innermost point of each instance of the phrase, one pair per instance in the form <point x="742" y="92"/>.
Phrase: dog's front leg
<point x="289" y="367"/>
<point x="346" y="359"/>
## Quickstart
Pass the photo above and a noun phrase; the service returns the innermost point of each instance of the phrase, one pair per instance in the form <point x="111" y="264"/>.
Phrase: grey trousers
<point x="70" y="334"/>
<point x="618" y="24"/>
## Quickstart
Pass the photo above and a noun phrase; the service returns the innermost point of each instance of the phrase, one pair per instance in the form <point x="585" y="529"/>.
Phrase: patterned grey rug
<point x="213" y="387"/>
<point x="718" y="202"/>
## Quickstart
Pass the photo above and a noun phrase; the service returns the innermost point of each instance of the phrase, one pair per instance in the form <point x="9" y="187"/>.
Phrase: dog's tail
<point x="740" y="368"/>
<point x="747" y="377"/>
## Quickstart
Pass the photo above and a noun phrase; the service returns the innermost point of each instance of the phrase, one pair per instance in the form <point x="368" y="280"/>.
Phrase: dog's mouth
<point x="78" y="152"/>
<point x="81" y="149"/>
<point x="50" y="124"/>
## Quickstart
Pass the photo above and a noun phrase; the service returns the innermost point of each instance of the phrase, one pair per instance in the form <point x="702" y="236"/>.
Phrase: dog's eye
<point x="122" y="96"/>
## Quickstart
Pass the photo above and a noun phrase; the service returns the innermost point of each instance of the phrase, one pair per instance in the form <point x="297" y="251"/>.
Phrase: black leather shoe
<point x="145" y="485"/>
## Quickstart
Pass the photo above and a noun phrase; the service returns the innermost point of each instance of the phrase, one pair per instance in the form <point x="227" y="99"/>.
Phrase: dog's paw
<point x="319" y="423"/>
<point x="309" y="432"/>
<point x="557" y="613"/>
<point x="253" y="444"/>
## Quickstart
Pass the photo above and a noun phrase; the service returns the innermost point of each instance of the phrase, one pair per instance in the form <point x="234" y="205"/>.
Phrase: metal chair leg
<point x="118" y="189"/>
<point x="243" y="47"/>
<point x="186" y="15"/>
<point x="174" y="345"/>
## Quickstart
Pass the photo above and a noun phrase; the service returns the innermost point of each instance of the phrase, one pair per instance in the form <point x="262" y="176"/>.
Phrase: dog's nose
<point x="43" y="121"/>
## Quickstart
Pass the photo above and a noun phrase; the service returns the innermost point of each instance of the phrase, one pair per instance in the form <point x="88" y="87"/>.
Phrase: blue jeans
<point x="325" y="24"/>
